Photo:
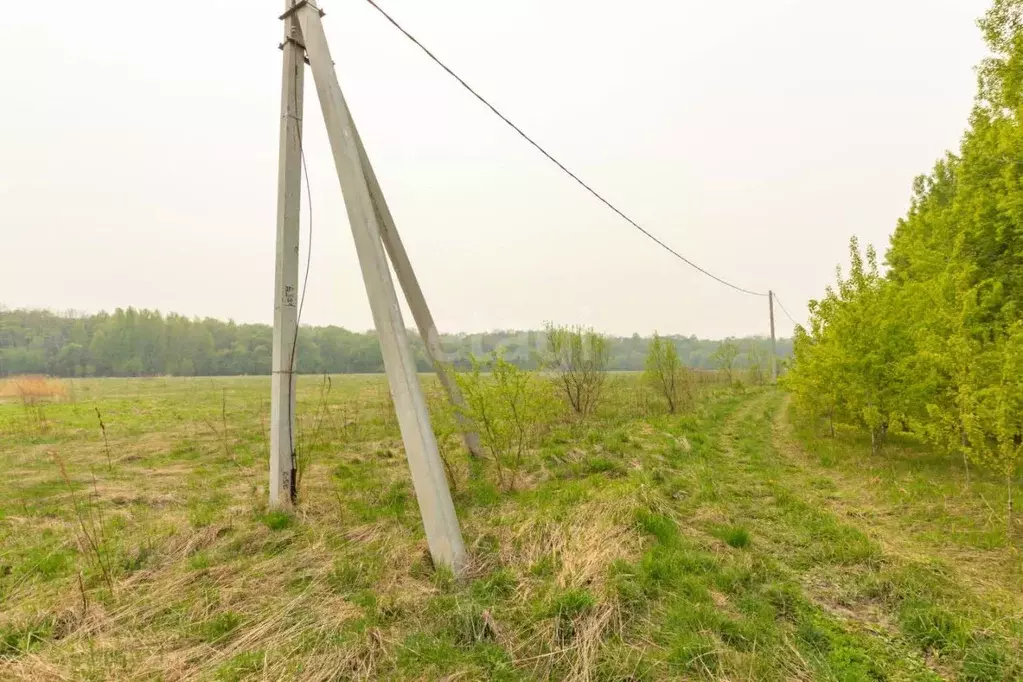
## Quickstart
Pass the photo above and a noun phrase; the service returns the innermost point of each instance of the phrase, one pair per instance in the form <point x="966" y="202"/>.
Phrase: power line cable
<point x="292" y="381"/>
<point x="309" y="248"/>
<point x="782" y="306"/>
<point x="560" y="165"/>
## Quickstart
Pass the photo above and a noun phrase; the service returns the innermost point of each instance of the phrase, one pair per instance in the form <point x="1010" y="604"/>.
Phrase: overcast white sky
<point x="138" y="152"/>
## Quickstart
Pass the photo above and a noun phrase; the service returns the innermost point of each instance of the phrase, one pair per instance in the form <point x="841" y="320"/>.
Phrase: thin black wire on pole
<point x="293" y="384"/>
<point x="553" y="160"/>
<point x="782" y="306"/>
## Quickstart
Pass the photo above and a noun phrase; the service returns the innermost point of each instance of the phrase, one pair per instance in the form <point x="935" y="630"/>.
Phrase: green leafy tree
<point x="33" y="342"/>
<point x="993" y="421"/>
<point x="813" y="378"/>
<point x="857" y="352"/>
<point x="724" y="357"/>
<point x="667" y="375"/>
<point x="577" y="357"/>
<point x="933" y="345"/>
<point x="71" y="360"/>
<point x="1009" y="414"/>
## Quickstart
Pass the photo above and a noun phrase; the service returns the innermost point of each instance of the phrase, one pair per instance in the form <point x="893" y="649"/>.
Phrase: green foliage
<point x="352" y="575"/>
<point x="667" y="375"/>
<point x="16" y="640"/>
<point x="854" y="361"/>
<point x="735" y="536"/>
<point x="725" y="356"/>
<point x="241" y="666"/>
<point x="936" y="345"/>
<point x="512" y="408"/>
<point x="140" y="342"/>
<point x="934" y="627"/>
<point x="577" y="358"/>
<point x="565" y="609"/>
<point x="613" y="576"/>
<point x="218" y="628"/>
<point x="278" y="519"/>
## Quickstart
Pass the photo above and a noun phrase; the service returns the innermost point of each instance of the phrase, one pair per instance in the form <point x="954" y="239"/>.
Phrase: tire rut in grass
<point x="745" y="541"/>
<point x="853" y="498"/>
<point x="914" y="593"/>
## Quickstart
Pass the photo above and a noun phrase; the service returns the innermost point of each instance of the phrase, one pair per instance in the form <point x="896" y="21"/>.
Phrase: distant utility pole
<point x="774" y="353"/>
<point x="373" y="229"/>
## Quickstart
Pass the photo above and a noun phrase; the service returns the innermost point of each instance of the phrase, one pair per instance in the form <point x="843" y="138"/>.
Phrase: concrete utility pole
<point x="428" y="476"/>
<point x="289" y="187"/>
<point x="774" y="353"/>
<point x="417" y="301"/>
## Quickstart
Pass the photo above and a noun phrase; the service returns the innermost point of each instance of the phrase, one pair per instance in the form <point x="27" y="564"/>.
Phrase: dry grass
<point x="609" y="565"/>
<point x="581" y="546"/>
<point x="32" y="388"/>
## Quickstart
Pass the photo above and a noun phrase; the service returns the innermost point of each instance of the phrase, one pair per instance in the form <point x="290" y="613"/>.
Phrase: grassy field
<point x="727" y="543"/>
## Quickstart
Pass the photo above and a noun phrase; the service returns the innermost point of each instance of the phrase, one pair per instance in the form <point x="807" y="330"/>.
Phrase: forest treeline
<point x="140" y="342"/>
<point x="933" y="344"/>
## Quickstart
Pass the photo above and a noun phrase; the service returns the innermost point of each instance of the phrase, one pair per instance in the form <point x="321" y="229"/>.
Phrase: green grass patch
<point x="637" y="545"/>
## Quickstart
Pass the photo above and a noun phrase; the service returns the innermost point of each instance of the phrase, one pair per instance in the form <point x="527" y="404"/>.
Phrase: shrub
<point x="513" y="410"/>
<point x="578" y="358"/>
<point x="666" y="373"/>
<point x="725" y="356"/>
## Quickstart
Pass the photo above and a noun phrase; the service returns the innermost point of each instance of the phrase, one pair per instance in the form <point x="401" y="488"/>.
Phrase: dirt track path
<point x="854" y="497"/>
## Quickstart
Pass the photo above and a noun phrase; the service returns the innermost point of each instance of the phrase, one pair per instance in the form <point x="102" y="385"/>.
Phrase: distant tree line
<point x="140" y="342"/>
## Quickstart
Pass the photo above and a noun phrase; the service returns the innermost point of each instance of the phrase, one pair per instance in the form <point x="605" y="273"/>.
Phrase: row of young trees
<point x="133" y="342"/>
<point x="514" y="408"/>
<point x="935" y="344"/>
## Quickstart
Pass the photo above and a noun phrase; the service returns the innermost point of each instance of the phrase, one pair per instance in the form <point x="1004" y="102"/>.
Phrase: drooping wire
<point x="292" y="379"/>
<point x="309" y="247"/>
<point x="782" y="306"/>
<point x="553" y="160"/>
